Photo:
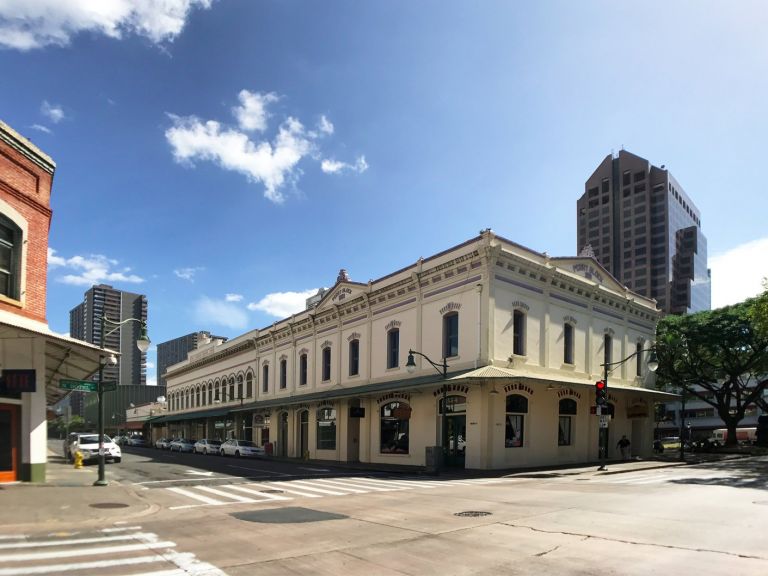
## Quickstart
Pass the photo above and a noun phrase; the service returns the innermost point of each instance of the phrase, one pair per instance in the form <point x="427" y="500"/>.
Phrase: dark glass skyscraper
<point x="85" y="324"/>
<point x="176" y="350"/>
<point x="643" y="227"/>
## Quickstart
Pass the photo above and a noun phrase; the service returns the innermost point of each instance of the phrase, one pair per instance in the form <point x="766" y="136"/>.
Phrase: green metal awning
<point x="190" y="416"/>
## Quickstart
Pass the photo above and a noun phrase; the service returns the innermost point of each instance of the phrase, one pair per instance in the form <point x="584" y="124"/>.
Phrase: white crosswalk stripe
<point x="656" y="478"/>
<point x="283" y="490"/>
<point x="129" y="550"/>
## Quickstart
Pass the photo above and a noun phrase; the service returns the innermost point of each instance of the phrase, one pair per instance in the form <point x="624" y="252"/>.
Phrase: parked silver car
<point x="237" y="448"/>
<point x="88" y="446"/>
<point x="182" y="445"/>
<point x="207" y="446"/>
<point x="162" y="443"/>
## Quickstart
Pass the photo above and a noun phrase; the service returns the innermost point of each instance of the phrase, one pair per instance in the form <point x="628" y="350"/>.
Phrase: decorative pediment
<point x="590" y="269"/>
<point x="342" y="292"/>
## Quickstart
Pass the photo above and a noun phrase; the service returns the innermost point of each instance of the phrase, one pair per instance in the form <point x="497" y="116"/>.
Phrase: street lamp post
<point x="143" y="345"/>
<point x="682" y="423"/>
<point x="653" y="364"/>
<point x="410" y="366"/>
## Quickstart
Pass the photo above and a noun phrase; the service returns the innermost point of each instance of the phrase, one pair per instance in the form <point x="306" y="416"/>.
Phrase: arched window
<point x="639" y="359"/>
<point x="10" y="258"/>
<point x="393" y="437"/>
<point x="240" y="386"/>
<point x="231" y="388"/>
<point x="567" y="409"/>
<point x="249" y="384"/>
<point x="516" y="409"/>
<point x="197" y="396"/>
<point x="210" y="392"/>
<point x="326" y="364"/>
<point x="451" y="335"/>
<point x="393" y="348"/>
<point x="354" y="357"/>
<point x="302" y="370"/>
<point x="326" y="428"/>
<point x="283" y="374"/>
<point x="518" y="333"/>
<point x="217" y="393"/>
<point x="568" y="343"/>
<point x="265" y="378"/>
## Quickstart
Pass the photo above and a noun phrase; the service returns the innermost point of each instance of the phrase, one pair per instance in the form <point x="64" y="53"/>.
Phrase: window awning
<point x="200" y="414"/>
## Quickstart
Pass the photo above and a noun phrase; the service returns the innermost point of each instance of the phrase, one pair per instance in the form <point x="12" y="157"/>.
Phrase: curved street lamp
<point x="410" y="366"/>
<point x="142" y="343"/>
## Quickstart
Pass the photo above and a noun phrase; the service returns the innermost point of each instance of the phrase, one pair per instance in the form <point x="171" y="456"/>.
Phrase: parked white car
<point x="237" y="448"/>
<point x="182" y="445"/>
<point x="162" y="443"/>
<point x="207" y="446"/>
<point x="88" y="446"/>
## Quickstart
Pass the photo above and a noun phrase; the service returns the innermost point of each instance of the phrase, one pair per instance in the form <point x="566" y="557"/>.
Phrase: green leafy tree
<point x="718" y="356"/>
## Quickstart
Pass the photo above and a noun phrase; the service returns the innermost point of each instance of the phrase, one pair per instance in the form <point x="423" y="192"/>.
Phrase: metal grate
<point x="472" y="513"/>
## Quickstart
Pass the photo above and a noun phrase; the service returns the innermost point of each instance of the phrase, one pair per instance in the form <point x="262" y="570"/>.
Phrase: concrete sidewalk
<point x="68" y="499"/>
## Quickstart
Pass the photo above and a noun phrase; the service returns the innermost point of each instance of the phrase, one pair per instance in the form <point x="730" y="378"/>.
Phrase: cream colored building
<point x="524" y="338"/>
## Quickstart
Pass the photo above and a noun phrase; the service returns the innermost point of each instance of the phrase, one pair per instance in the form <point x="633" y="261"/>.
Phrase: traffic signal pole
<point x="601" y="401"/>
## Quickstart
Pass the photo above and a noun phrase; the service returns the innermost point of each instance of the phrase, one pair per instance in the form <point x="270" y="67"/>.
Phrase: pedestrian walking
<point x="623" y="445"/>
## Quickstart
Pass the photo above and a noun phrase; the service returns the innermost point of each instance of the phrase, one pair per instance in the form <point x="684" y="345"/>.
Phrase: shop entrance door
<point x="457" y="434"/>
<point x="9" y="442"/>
<point x="304" y="434"/>
<point x="282" y="435"/>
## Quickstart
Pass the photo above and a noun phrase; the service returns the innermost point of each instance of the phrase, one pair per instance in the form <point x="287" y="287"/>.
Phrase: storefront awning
<point x="65" y="357"/>
<point x="498" y="374"/>
<point x="200" y="414"/>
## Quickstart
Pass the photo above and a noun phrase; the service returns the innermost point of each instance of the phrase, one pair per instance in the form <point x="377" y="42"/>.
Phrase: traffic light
<point x="601" y="393"/>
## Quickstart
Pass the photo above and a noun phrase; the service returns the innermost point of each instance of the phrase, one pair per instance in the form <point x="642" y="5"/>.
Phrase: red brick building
<point x="33" y="358"/>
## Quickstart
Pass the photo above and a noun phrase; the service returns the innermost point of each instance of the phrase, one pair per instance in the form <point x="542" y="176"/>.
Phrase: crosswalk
<point x="658" y="477"/>
<point x="119" y="551"/>
<point x="286" y="490"/>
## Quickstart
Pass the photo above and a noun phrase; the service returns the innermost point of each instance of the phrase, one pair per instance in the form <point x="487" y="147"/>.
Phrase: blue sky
<point x="228" y="157"/>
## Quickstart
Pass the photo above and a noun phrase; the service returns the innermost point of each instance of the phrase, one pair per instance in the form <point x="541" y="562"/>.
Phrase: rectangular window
<point x="283" y="374"/>
<point x="393" y="348"/>
<point x="303" y="370"/>
<point x="518" y="333"/>
<point x="513" y="437"/>
<point x="564" y="431"/>
<point x="639" y="359"/>
<point x="354" y="357"/>
<point x="326" y="364"/>
<point x="607" y="352"/>
<point x="326" y="428"/>
<point x="451" y="335"/>
<point x="568" y="344"/>
<point x="265" y="378"/>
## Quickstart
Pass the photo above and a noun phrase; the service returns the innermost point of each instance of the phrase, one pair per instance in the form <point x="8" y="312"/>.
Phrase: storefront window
<point x="516" y="409"/>
<point x="567" y="411"/>
<point x="326" y="429"/>
<point x="394" y="428"/>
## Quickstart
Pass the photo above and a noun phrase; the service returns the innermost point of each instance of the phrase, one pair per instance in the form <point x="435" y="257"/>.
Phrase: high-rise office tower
<point x="643" y="227"/>
<point x="176" y="350"/>
<point x="117" y="306"/>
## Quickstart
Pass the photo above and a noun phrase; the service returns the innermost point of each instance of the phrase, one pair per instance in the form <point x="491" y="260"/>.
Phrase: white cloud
<point x="209" y="311"/>
<point x="252" y="113"/>
<point x="324" y="125"/>
<point x="330" y="166"/>
<point x="269" y="164"/>
<point x="150" y="365"/>
<point x="53" y="112"/>
<point x="92" y="269"/>
<point x="31" y="24"/>
<point x="40" y="128"/>
<point x="151" y="380"/>
<point x="737" y="274"/>
<point x="188" y="273"/>
<point x="233" y="297"/>
<point x="283" y="304"/>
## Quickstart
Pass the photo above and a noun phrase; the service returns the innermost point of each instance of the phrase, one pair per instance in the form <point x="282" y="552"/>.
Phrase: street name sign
<point x="604" y="421"/>
<point x="81" y="385"/>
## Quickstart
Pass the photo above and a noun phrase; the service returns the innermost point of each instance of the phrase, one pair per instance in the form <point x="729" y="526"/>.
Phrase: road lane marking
<point x="52" y="568"/>
<point x="144" y="536"/>
<point x="236" y="497"/>
<point x="264" y="495"/>
<point x="194" y="496"/>
<point x="121" y="529"/>
<point x="187" y="480"/>
<point x="291" y="490"/>
<point x="311" y="488"/>
<point x="84" y="552"/>
<point x="343" y="482"/>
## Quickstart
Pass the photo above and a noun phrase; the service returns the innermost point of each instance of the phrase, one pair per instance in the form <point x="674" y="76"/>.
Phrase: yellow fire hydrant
<point x="78" y="459"/>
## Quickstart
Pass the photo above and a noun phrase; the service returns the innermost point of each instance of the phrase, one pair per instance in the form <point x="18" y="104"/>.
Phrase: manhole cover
<point x="271" y="491"/>
<point x="472" y="513"/>
<point x="105" y="505"/>
<point x="287" y="516"/>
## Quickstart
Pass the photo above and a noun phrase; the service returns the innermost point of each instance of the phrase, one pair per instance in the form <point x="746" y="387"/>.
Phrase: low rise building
<point x="488" y="349"/>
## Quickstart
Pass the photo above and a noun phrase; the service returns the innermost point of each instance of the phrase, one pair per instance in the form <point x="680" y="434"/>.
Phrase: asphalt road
<point x="264" y="517"/>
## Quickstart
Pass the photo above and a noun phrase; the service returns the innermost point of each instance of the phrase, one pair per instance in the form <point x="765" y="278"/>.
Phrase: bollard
<point x="78" y="459"/>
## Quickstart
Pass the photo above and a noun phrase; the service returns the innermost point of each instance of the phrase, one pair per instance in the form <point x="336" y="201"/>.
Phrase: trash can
<point x="433" y="459"/>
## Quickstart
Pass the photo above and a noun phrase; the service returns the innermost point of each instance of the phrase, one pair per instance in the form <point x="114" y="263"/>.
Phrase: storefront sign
<point x="17" y="381"/>
<point x="637" y="410"/>
<point x="258" y="420"/>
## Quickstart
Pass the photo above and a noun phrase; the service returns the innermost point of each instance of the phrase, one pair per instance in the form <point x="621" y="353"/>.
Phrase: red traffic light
<point x="600" y="385"/>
